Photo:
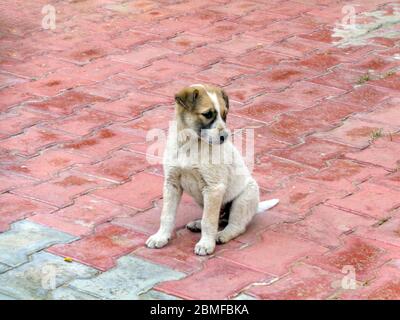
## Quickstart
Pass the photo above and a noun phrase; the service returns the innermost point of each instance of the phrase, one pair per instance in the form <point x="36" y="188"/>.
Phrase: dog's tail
<point x="265" y="205"/>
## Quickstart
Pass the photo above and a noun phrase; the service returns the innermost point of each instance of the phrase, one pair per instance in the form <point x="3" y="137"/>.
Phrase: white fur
<point x="211" y="185"/>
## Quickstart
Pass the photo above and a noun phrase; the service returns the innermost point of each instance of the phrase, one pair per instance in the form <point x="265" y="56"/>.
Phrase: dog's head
<point x="203" y="109"/>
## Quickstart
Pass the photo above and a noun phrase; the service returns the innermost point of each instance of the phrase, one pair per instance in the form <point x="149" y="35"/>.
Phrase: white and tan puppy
<point x="201" y="160"/>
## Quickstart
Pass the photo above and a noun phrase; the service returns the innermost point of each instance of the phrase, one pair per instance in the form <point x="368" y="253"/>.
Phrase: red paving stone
<point x="102" y="248"/>
<point x="76" y="109"/>
<point x="205" y="283"/>
<point x="303" y="283"/>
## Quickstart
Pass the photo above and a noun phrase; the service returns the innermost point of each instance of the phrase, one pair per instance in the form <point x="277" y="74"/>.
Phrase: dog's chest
<point x="193" y="184"/>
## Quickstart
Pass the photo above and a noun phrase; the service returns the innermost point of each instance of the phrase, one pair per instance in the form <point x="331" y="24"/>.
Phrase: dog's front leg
<point x="209" y="222"/>
<point x="172" y="195"/>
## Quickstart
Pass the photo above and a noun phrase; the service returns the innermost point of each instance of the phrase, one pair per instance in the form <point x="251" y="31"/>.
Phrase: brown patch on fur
<point x="193" y="102"/>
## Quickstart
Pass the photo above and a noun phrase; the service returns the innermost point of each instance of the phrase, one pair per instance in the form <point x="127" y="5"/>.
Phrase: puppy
<point x="222" y="185"/>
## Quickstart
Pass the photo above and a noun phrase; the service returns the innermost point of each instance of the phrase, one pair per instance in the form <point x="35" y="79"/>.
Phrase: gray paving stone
<point x="5" y="297"/>
<point x="127" y="280"/>
<point x="4" y="268"/>
<point x="25" y="238"/>
<point x="157" y="295"/>
<point x="244" y="296"/>
<point x="66" y="293"/>
<point x="39" y="277"/>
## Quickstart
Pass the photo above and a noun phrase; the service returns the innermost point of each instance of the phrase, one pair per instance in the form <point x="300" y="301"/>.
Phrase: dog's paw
<point x="194" y="226"/>
<point x="204" y="248"/>
<point x="222" y="237"/>
<point x="157" y="241"/>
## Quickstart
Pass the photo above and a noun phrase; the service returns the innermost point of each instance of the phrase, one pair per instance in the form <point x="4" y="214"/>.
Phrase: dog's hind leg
<point x="243" y="208"/>
<point x="194" y="226"/>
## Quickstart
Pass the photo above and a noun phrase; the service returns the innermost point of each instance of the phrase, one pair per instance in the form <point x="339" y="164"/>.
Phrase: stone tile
<point x="133" y="104"/>
<point x="82" y="216"/>
<point x="85" y="122"/>
<point x="271" y="172"/>
<point x="39" y="278"/>
<point x="139" y="193"/>
<point x="13" y="208"/>
<point x="262" y="109"/>
<point x="9" y="181"/>
<point x="364" y="255"/>
<point x="179" y="253"/>
<point x="366" y="95"/>
<point x="45" y="165"/>
<point x="381" y="152"/>
<point x="206" y="283"/>
<point x="65" y="103"/>
<point x="110" y="241"/>
<point x="300" y="195"/>
<point x="306" y="94"/>
<point x="345" y="175"/>
<point x="303" y="283"/>
<point x="356" y="133"/>
<point x="385" y="286"/>
<point x="325" y="226"/>
<point x="33" y="140"/>
<point x="274" y="253"/>
<point x="25" y="238"/>
<point x="130" y="278"/>
<point x="340" y="78"/>
<point x="372" y="200"/>
<point x="16" y="120"/>
<point x="101" y="143"/>
<point x="147" y="221"/>
<point x="62" y="190"/>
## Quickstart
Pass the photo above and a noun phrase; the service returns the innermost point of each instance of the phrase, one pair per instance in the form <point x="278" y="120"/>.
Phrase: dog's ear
<point x="226" y="99"/>
<point x="187" y="97"/>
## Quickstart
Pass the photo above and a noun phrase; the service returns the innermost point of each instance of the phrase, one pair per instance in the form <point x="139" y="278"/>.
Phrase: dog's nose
<point x="223" y="137"/>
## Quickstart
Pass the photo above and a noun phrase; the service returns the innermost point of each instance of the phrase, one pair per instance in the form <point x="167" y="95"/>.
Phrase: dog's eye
<point x="208" y="114"/>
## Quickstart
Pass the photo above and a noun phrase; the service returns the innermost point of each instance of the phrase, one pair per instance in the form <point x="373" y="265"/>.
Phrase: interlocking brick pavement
<point x="77" y="180"/>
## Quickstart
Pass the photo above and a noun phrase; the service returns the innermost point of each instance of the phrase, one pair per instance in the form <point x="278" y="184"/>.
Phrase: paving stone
<point x="66" y="293"/>
<point x="364" y="255"/>
<point x="372" y="200"/>
<point x="62" y="190"/>
<point x="157" y="295"/>
<point x="314" y="152"/>
<point x="101" y="143"/>
<point x="356" y="133"/>
<point x="303" y="283"/>
<point x="306" y="94"/>
<point x="25" y="238"/>
<point x="45" y="165"/>
<point x="86" y="122"/>
<point x="284" y="249"/>
<point x="147" y="221"/>
<point x="33" y="140"/>
<point x="204" y="284"/>
<point x="345" y="175"/>
<point x="300" y="195"/>
<point x="110" y="241"/>
<point x="385" y="286"/>
<point x="325" y="225"/>
<point x="5" y="297"/>
<point x="16" y="120"/>
<point x="38" y="278"/>
<point x="82" y="216"/>
<point x="271" y="172"/>
<point x="365" y="95"/>
<point x="66" y="103"/>
<point x="130" y="278"/>
<point x="13" y="208"/>
<point x="137" y="193"/>
<point x="244" y="296"/>
<point x="381" y="152"/>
